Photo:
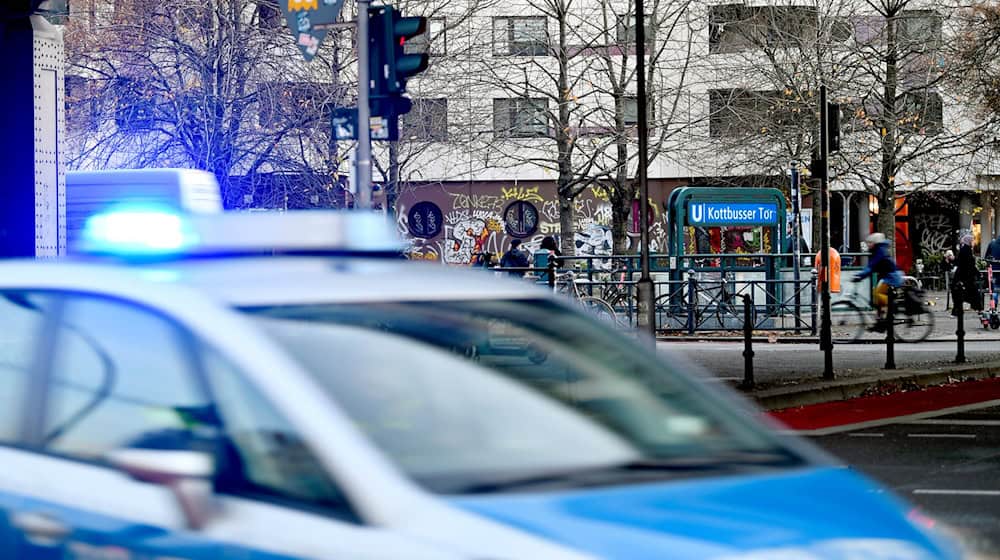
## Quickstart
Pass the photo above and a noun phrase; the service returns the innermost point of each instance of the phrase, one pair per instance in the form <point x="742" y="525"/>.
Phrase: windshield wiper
<point x="643" y="469"/>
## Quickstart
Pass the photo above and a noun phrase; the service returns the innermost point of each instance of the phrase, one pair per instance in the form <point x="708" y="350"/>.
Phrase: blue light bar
<point x="138" y="231"/>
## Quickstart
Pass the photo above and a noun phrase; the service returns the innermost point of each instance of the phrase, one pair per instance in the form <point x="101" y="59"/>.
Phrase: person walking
<point x="966" y="286"/>
<point x="515" y="257"/>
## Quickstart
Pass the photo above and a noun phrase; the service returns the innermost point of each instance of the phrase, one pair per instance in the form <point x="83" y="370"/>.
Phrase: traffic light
<point x="832" y="127"/>
<point x="389" y="65"/>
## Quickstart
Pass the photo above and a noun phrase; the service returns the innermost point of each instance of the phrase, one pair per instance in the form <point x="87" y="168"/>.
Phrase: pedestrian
<point x="966" y="286"/>
<point x="790" y="245"/>
<point x="547" y="250"/>
<point x="880" y="264"/>
<point x="993" y="251"/>
<point x="515" y="257"/>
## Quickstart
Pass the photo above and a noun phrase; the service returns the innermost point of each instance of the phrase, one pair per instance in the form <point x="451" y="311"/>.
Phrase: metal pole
<point x="796" y="235"/>
<point x="960" y="317"/>
<point x="890" y="335"/>
<point x="645" y="283"/>
<point x="825" y="336"/>
<point x="363" y="163"/>
<point x="748" y="381"/>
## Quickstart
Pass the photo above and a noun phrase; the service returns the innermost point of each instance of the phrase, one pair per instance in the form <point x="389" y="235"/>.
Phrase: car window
<point x="456" y="392"/>
<point x="275" y="461"/>
<point x="121" y="376"/>
<point x="21" y="318"/>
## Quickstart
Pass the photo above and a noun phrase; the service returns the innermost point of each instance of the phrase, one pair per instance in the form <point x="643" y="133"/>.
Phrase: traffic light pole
<point x="644" y="287"/>
<point x="825" y="334"/>
<point x="363" y="161"/>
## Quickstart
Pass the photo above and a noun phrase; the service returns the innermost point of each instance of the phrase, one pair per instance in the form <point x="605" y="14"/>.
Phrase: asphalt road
<point x="949" y="466"/>
<point x="785" y="361"/>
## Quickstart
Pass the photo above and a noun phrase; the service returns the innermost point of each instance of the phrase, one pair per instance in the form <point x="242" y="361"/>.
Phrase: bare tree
<point x="881" y="59"/>
<point x="213" y="85"/>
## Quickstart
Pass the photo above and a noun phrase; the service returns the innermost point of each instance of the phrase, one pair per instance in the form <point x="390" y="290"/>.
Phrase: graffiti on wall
<point x="935" y="233"/>
<point x="471" y="224"/>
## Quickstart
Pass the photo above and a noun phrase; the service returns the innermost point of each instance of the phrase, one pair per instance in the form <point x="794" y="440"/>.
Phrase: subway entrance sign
<point x="732" y="214"/>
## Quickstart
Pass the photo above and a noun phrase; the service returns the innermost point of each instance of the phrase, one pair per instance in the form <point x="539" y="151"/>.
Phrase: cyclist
<point x="880" y="264"/>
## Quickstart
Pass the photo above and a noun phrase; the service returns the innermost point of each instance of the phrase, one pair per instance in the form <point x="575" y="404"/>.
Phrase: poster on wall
<point x="807" y="226"/>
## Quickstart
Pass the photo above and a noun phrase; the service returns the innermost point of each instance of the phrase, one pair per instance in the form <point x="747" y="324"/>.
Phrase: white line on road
<point x="867" y="434"/>
<point x="959" y="492"/>
<point x="943" y="436"/>
<point x="942" y="422"/>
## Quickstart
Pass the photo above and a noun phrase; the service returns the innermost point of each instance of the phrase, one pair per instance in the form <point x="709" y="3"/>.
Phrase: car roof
<point x="284" y="280"/>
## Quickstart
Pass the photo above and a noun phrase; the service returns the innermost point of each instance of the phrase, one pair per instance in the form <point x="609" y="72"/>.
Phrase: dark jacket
<point x="514" y="258"/>
<point x="993" y="251"/>
<point x="968" y="275"/>
<point x="880" y="263"/>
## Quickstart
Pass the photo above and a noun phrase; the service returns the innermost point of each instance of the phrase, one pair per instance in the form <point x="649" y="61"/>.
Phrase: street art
<point x="935" y="233"/>
<point x="521" y="193"/>
<point x="476" y="201"/>
<point x="469" y="237"/>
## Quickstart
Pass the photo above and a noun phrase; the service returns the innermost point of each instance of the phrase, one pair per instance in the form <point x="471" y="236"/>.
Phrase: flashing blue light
<point x="138" y="231"/>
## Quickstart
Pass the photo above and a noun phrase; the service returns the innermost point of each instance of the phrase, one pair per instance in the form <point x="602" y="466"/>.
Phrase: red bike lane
<point x="880" y="407"/>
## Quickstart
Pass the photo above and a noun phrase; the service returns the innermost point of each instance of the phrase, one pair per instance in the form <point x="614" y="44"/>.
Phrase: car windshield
<point x="470" y="396"/>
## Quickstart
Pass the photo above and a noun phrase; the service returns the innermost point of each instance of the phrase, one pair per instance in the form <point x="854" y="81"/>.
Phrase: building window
<point x="738" y="112"/>
<point x="631" y="107"/>
<point x="433" y="41"/>
<point x="520" y="36"/>
<point x="427" y="120"/>
<point x="737" y="27"/>
<point x="921" y="112"/>
<point x="268" y="16"/>
<point x="919" y="30"/>
<point x="285" y="104"/>
<point x="135" y="110"/>
<point x="425" y="220"/>
<point x="80" y="104"/>
<point x="625" y="31"/>
<point x="520" y="117"/>
<point x="520" y="219"/>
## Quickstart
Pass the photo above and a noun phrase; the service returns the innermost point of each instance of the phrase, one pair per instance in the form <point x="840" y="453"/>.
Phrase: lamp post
<point x="644" y="287"/>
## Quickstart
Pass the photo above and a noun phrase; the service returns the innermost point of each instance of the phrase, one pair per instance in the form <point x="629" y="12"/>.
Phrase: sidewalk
<point x="945" y="327"/>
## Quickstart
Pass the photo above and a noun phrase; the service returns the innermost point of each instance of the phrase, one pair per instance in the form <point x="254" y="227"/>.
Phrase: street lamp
<point x="872" y="204"/>
<point x="644" y="287"/>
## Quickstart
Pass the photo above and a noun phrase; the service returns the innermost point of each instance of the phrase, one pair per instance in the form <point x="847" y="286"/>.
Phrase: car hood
<point x="803" y="514"/>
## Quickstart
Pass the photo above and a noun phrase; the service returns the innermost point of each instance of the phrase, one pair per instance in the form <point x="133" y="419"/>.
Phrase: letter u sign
<point x="697" y="213"/>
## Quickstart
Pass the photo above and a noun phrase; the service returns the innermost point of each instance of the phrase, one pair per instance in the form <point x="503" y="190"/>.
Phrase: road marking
<point x="939" y="422"/>
<point x="959" y="492"/>
<point x="867" y="434"/>
<point x="943" y="436"/>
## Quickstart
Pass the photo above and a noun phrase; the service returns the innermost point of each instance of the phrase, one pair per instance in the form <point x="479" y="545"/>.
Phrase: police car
<point x="261" y="386"/>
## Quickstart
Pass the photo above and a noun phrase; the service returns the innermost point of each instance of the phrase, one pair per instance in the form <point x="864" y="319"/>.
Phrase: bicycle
<point x="567" y="282"/>
<point x="851" y="318"/>
<point x="714" y="300"/>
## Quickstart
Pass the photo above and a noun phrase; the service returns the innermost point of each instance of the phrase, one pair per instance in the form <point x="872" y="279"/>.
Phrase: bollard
<point x="813" y="306"/>
<point x="890" y="335"/>
<point x="551" y="267"/>
<point x="748" y="382"/>
<point x="960" y="316"/>
<point x="692" y="300"/>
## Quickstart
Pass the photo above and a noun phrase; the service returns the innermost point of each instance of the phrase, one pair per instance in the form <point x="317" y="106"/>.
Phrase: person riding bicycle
<point x="880" y="264"/>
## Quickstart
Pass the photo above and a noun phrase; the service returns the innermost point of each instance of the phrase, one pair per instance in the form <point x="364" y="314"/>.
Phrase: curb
<point x="809" y="339"/>
<point x="820" y="392"/>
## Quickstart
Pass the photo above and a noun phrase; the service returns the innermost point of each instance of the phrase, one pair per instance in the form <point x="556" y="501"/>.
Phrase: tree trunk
<point x="619" y="227"/>
<point x="567" y="226"/>
<point x="886" y="224"/>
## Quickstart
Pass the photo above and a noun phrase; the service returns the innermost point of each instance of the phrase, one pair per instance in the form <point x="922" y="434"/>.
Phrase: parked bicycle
<point x="717" y="305"/>
<point x="570" y="283"/>
<point x="852" y="318"/>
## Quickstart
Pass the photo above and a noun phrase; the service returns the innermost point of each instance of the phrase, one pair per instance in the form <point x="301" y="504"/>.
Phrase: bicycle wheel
<point x="600" y="308"/>
<point x="847" y="322"/>
<point x="913" y="328"/>
<point x="730" y="316"/>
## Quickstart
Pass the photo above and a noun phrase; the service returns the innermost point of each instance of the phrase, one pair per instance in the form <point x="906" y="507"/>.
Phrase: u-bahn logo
<point x="299" y="5"/>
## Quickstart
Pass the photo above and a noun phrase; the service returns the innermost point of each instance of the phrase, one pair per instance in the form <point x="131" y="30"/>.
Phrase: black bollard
<point x="813" y="306"/>
<point x="551" y="268"/>
<point x="692" y="301"/>
<point x="748" y="382"/>
<point x="890" y="335"/>
<point x="960" y="316"/>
